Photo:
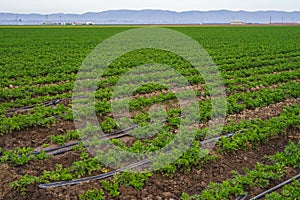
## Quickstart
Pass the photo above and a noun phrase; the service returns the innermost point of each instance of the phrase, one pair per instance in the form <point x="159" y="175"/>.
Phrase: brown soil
<point x="215" y="171"/>
<point x="161" y="186"/>
<point x="34" y="137"/>
<point x="7" y="175"/>
<point x="37" y="85"/>
<point x="263" y="113"/>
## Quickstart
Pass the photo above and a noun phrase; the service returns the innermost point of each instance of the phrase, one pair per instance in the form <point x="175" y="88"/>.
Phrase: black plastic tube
<point x="47" y="103"/>
<point x="276" y="187"/>
<point x="117" y="134"/>
<point x="60" y="152"/>
<point x="98" y="177"/>
<point x="217" y="138"/>
<point x="109" y="174"/>
<point x="57" y="148"/>
<point x="242" y="197"/>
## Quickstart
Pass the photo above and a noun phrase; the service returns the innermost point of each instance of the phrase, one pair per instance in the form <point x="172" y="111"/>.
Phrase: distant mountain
<point x="152" y="17"/>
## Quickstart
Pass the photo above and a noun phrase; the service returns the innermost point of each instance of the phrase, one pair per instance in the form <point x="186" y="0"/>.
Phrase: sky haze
<point x="82" y="6"/>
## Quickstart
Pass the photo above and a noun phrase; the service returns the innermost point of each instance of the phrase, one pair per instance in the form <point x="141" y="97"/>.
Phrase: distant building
<point x="298" y="22"/>
<point x="82" y="23"/>
<point x="237" y="22"/>
<point x="89" y="23"/>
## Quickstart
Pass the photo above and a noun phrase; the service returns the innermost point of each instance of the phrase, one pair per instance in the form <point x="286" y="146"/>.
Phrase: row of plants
<point x="20" y="156"/>
<point x="255" y="79"/>
<point x="85" y="165"/>
<point x="240" y="84"/>
<point x="106" y="93"/>
<point x="18" y="104"/>
<point x="33" y="91"/>
<point x="261" y="176"/>
<point x="42" y="80"/>
<point x="235" y="85"/>
<point x="257" y="131"/>
<point x="53" y="52"/>
<point x="291" y="191"/>
<point x="149" y="56"/>
<point x="116" y="68"/>
<point x="231" y="43"/>
<point x="251" y="55"/>
<point x="65" y="56"/>
<point x="256" y="62"/>
<point x="236" y="103"/>
<point x="39" y="116"/>
<point x="254" y="133"/>
<point x="38" y="52"/>
<point x="261" y="70"/>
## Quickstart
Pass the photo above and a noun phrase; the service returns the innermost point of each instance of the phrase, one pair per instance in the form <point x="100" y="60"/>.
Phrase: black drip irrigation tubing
<point x="118" y="134"/>
<point x="109" y="174"/>
<point x="97" y="177"/>
<point x="50" y="103"/>
<point x="54" y="151"/>
<point x="47" y="103"/>
<point x="242" y="197"/>
<point x="218" y="138"/>
<point x="261" y="195"/>
<point x="276" y="187"/>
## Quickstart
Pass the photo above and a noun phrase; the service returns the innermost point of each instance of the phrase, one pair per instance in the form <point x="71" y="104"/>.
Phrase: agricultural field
<point x="41" y="153"/>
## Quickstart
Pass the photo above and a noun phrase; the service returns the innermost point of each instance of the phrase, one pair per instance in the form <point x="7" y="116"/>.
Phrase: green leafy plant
<point x="92" y="195"/>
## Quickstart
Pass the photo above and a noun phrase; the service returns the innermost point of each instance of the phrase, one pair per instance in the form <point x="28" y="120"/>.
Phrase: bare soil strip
<point x="160" y="186"/>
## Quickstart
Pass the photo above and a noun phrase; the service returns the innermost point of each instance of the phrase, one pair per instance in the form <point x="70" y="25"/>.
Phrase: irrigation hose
<point x="97" y="177"/>
<point x="242" y="197"/>
<point x="109" y="174"/>
<point x="117" y="134"/>
<point x="276" y="187"/>
<point x="47" y="103"/>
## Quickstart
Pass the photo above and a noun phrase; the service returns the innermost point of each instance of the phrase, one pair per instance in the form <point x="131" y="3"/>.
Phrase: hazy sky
<point x="81" y="6"/>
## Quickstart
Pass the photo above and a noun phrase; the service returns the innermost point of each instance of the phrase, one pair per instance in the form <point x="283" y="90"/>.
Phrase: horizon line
<point x="164" y="10"/>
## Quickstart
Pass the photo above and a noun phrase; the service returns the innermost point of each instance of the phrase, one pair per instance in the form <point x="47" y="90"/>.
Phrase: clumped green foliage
<point x="259" y="66"/>
<point x="291" y="192"/>
<point x="261" y="176"/>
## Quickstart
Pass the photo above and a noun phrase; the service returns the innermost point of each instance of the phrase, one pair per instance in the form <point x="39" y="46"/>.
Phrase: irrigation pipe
<point x="98" y="177"/>
<point x="54" y="151"/>
<point x="242" y="197"/>
<point x="276" y="187"/>
<point x="47" y="103"/>
<point x="109" y="174"/>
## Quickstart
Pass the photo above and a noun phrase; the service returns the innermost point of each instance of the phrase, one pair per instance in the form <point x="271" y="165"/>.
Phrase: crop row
<point x="39" y="116"/>
<point x="261" y="176"/>
<point x="257" y="131"/>
<point x="236" y="103"/>
<point x="59" y="77"/>
<point x="239" y="84"/>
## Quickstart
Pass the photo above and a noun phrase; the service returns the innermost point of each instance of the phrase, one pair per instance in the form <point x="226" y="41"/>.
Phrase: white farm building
<point x="237" y="22"/>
